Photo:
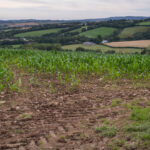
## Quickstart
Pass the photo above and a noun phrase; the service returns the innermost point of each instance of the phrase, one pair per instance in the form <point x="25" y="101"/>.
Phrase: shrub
<point x="110" y="52"/>
<point x="146" y="51"/>
<point x="80" y="49"/>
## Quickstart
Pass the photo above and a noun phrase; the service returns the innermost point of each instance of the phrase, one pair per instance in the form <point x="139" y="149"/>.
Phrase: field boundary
<point x="124" y="47"/>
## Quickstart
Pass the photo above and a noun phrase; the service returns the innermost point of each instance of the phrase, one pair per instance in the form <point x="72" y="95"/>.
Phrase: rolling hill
<point x="103" y="31"/>
<point x="144" y="23"/>
<point x="129" y="32"/>
<point x="38" y="33"/>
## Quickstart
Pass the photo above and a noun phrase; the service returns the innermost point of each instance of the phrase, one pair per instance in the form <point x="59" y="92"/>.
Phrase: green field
<point x="70" y="64"/>
<point x="103" y="48"/>
<point x="129" y="32"/>
<point x="45" y="89"/>
<point x="38" y="33"/>
<point x="103" y="31"/>
<point x="79" y="29"/>
<point x="145" y="23"/>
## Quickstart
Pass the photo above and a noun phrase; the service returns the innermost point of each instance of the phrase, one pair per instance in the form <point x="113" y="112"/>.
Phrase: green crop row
<point x="135" y="66"/>
<point x="70" y="65"/>
<point x="6" y="76"/>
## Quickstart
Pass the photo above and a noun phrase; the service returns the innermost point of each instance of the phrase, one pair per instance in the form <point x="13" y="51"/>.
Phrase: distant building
<point x="25" y="40"/>
<point x="89" y="43"/>
<point x="104" y="41"/>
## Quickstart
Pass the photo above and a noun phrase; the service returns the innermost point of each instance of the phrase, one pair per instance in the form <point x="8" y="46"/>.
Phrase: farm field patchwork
<point x="129" y="32"/>
<point x="79" y="29"/>
<point x="103" y="48"/>
<point x="145" y="23"/>
<point x="73" y="100"/>
<point x="103" y="31"/>
<point x="141" y="43"/>
<point x="38" y="33"/>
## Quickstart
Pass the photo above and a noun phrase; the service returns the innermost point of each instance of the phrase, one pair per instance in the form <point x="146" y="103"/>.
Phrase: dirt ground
<point x="140" y="44"/>
<point x="24" y="24"/>
<point x="65" y="119"/>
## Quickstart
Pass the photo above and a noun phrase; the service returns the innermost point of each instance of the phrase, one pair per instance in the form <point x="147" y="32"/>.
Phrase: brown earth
<point x="24" y="24"/>
<point x="140" y="44"/>
<point x="65" y="119"/>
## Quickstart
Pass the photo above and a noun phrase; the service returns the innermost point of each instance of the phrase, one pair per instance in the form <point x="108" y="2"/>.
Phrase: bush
<point x="110" y="52"/>
<point x="80" y="49"/>
<point x="43" y="46"/>
<point x="146" y="51"/>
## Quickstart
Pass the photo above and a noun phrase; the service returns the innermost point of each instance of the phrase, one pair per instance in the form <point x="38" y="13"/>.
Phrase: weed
<point x="18" y="131"/>
<point x="105" y="131"/>
<point x="52" y="89"/>
<point x="140" y="114"/>
<point x="15" y="87"/>
<point x="116" y="102"/>
<point x="26" y="116"/>
<point x="63" y="137"/>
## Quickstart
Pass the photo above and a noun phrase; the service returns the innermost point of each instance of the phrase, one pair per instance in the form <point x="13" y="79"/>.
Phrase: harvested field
<point x="140" y="44"/>
<point x="23" y="24"/>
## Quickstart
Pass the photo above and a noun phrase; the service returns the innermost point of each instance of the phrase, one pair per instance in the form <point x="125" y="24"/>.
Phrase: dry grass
<point x="141" y="43"/>
<point x="103" y="48"/>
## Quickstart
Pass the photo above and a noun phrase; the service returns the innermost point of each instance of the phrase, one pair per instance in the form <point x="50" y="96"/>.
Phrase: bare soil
<point x="140" y="44"/>
<point x="24" y="24"/>
<point x="37" y="119"/>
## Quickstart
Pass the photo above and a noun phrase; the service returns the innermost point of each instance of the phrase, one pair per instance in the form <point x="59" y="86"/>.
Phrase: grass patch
<point x="116" y="102"/>
<point x="144" y="23"/>
<point x="129" y="32"/>
<point x="140" y="128"/>
<point x="105" y="131"/>
<point x="38" y="33"/>
<point x="102" y="48"/>
<point x="140" y="114"/>
<point x="103" y="31"/>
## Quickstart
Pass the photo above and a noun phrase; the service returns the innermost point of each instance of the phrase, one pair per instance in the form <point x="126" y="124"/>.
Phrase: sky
<point x="72" y="9"/>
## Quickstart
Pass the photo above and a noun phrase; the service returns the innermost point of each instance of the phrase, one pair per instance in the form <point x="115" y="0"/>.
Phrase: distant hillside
<point x="83" y="20"/>
<point x="119" y="18"/>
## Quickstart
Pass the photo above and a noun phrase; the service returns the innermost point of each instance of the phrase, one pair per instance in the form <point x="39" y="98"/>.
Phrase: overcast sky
<point x="72" y="9"/>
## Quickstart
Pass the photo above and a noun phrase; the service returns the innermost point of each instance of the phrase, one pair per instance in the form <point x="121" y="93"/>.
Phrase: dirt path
<point x="39" y="120"/>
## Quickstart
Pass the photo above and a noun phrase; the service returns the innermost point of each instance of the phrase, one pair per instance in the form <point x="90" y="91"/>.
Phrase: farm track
<point x="63" y="120"/>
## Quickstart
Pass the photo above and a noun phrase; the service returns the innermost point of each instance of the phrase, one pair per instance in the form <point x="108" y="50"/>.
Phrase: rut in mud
<point x="38" y="119"/>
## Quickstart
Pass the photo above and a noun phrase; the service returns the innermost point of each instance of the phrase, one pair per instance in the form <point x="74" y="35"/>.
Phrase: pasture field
<point x="103" y="48"/>
<point x="38" y="33"/>
<point x="129" y="32"/>
<point x="140" y="44"/>
<point x="79" y="29"/>
<point x="74" y="100"/>
<point x="145" y="23"/>
<point x="103" y="31"/>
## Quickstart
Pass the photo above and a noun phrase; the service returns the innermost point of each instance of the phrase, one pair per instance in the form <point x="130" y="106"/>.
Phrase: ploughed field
<point x="73" y="100"/>
<point x="140" y="44"/>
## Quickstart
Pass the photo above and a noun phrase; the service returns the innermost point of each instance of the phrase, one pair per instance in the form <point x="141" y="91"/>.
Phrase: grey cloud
<point x="72" y="9"/>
